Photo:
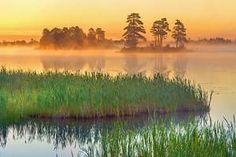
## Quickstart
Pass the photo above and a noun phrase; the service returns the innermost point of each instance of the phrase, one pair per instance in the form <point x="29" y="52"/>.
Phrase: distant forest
<point x="73" y="38"/>
<point x="32" y="42"/>
<point x="212" y="41"/>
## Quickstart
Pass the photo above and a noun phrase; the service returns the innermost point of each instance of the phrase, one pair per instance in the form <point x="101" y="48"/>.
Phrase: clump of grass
<point x="183" y="140"/>
<point x="95" y="95"/>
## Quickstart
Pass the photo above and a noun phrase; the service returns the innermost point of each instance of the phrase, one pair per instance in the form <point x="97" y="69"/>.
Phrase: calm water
<point x="214" y="69"/>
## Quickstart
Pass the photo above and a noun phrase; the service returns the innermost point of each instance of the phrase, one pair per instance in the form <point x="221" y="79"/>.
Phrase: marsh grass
<point x="95" y="95"/>
<point x="162" y="140"/>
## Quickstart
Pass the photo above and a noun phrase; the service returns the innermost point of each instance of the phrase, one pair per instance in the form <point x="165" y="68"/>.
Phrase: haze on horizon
<point x="27" y="18"/>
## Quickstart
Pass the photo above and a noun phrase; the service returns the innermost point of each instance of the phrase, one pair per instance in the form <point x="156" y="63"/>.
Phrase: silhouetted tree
<point x="45" y="38"/>
<point x="77" y="37"/>
<point x="92" y="37"/>
<point x="179" y="34"/>
<point x="134" y="30"/>
<point x="58" y="37"/>
<point x="72" y="37"/>
<point x="160" y="30"/>
<point x="100" y="34"/>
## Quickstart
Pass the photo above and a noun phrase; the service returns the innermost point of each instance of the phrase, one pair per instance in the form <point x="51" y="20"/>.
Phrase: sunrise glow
<point x="27" y="18"/>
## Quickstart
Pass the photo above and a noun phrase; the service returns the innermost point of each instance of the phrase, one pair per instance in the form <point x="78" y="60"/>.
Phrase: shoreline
<point x="114" y="117"/>
<point x="155" y="50"/>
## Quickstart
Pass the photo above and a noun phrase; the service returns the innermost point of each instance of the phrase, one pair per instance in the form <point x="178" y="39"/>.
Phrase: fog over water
<point x="214" y="68"/>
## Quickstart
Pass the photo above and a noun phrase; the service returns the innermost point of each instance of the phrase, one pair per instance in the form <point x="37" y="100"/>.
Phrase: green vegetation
<point x="94" y="95"/>
<point x="182" y="140"/>
<point x="162" y="138"/>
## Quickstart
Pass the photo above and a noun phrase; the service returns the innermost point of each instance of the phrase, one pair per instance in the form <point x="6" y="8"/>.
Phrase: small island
<point x="76" y="38"/>
<point x="134" y="33"/>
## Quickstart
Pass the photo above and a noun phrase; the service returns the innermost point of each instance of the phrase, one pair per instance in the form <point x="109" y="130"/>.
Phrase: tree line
<point x="134" y="32"/>
<point x="213" y="41"/>
<point x="73" y="38"/>
<point x="5" y="43"/>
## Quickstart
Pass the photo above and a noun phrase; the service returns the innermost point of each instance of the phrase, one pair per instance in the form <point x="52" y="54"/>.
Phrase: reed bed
<point x="95" y="95"/>
<point x="161" y="140"/>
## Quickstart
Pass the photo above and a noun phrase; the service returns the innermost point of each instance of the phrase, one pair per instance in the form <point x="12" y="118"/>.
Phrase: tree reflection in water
<point x="159" y="66"/>
<point x="132" y="65"/>
<point x="76" y="63"/>
<point x="62" y="63"/>
<point x="96" y="63"/>
<point x="180" y="66"/>
<point x="85" y="136"/>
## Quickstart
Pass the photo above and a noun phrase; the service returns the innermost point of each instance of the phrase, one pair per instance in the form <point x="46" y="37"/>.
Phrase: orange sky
<point x="203" y="18"/>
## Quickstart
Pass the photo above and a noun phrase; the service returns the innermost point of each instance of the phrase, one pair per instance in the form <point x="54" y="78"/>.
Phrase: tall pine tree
<point x="179" y="34"/>
<point x="160" y="30"/>
<point x="134" y="30"/>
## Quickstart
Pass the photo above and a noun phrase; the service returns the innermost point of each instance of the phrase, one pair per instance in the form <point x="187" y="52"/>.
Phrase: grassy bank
<point x="92" y="95"/>
<point x="182" y="140"/>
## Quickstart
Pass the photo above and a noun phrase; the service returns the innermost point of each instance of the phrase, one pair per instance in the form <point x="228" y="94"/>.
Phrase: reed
<point x="95" y="95"/>
<point x="162" y="140"/>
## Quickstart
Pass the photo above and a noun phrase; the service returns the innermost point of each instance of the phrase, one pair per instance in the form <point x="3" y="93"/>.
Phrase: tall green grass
<point x="161" y="140"/>
<point x="94" y="95"/>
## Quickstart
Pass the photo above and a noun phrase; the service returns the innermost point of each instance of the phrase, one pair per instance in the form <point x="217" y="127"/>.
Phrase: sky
<point x="24" y="19"/>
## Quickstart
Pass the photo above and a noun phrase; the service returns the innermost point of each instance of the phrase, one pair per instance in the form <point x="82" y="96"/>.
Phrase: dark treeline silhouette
<point x="73" y="38"/>
<point x="179" y="34"/>
<point x="212" y="41"/>
<point x="134" y="34"/>
<point x="160" y="30"/>
<point x="134" y="30"/>
<point x="32" y="42"/>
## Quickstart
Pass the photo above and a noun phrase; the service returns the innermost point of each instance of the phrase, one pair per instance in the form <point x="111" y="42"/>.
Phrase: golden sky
<point x="203" y="18"/>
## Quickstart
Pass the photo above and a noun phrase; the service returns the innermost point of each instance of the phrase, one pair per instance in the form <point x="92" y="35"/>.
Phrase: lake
<point x="214" y="68"/>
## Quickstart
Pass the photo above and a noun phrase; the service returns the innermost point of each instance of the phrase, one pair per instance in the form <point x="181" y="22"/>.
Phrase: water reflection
<point x="128" y="63"/>
<point x="3" y="135"/>
<point x="212" y="70"/>
<point x="133" y="65"/>
<point x="180" y="66"/>
<point x="60" y="63"/>
<point x="83" y="137"/>
<point x="96" y="64"/>
<point x="160" y="66"/>
<point x="73" y="63"/>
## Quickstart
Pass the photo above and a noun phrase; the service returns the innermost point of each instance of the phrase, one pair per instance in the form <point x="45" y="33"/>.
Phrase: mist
<point x="112" y="61"/>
